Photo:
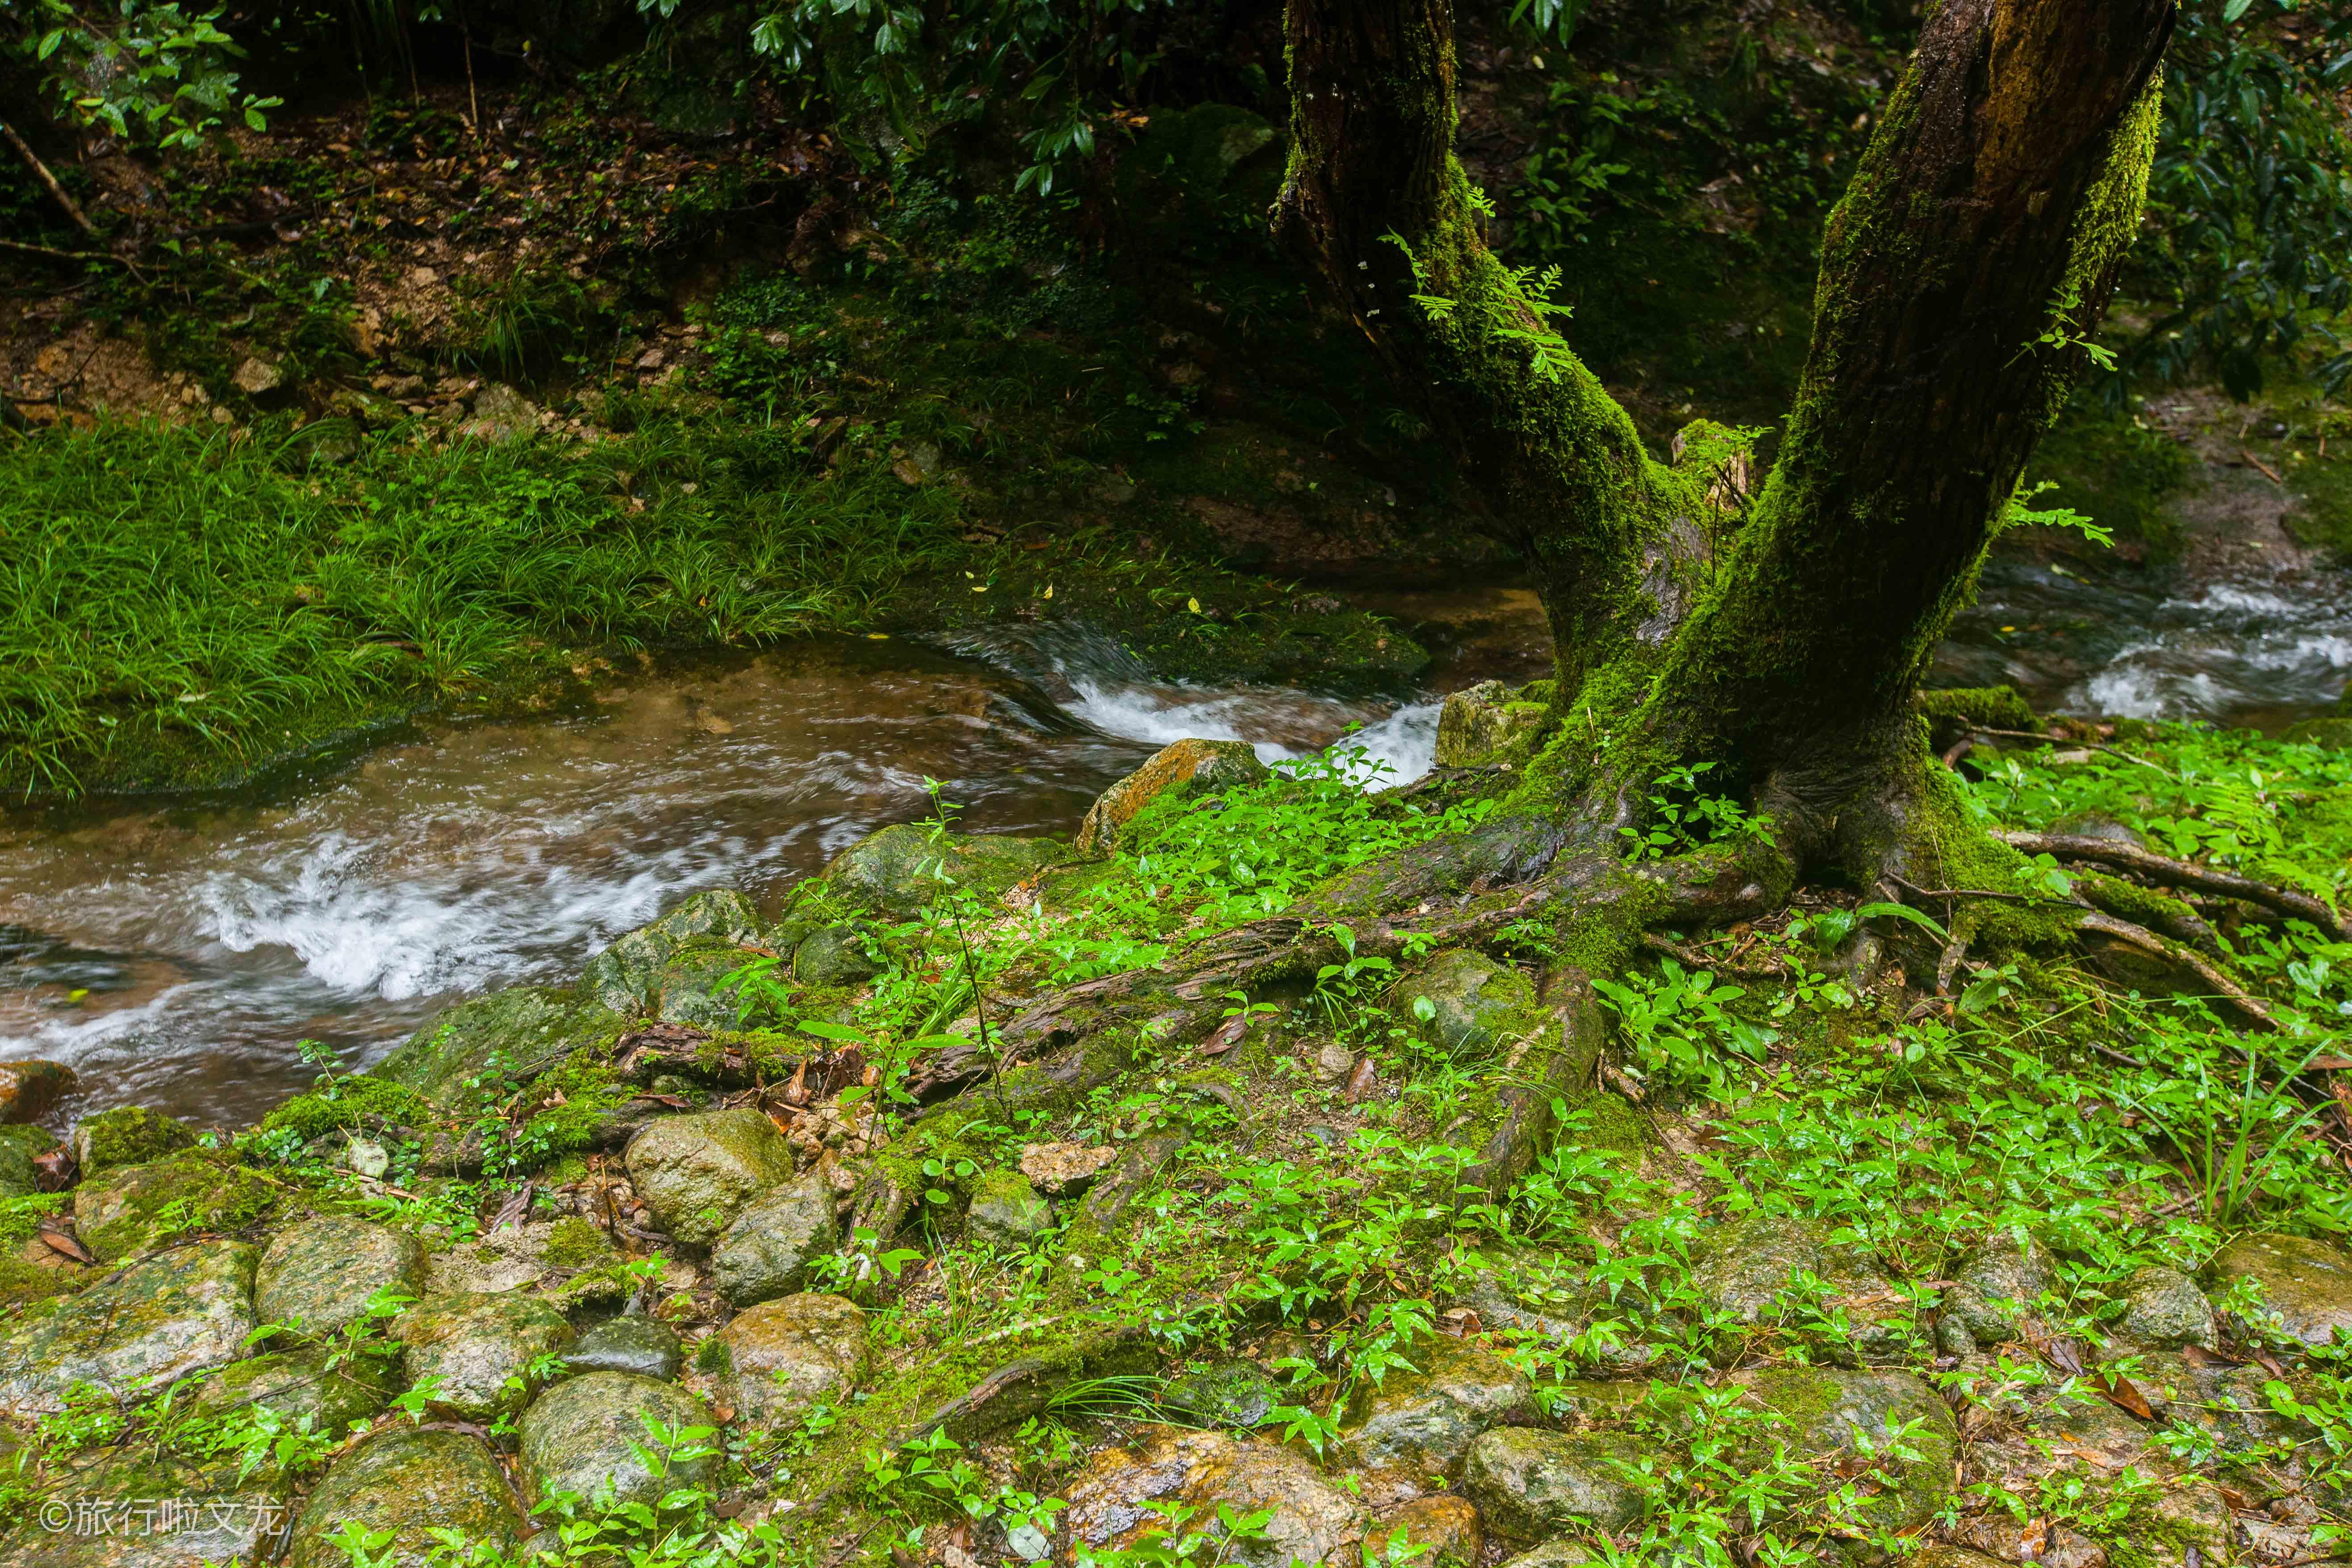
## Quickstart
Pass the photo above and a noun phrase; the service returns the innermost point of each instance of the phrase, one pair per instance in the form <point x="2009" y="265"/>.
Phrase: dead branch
<point x="2177" y="874"/>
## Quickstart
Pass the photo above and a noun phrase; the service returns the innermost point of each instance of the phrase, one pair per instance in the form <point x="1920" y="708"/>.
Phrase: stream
<point x="175" y="955"/>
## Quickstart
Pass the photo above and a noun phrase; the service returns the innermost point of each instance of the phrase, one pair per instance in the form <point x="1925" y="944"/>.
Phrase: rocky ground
<point x="748" y="1246"/>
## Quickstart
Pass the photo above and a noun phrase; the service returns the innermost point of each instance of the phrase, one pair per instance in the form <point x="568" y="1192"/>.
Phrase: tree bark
<point x="1960" y="275"/>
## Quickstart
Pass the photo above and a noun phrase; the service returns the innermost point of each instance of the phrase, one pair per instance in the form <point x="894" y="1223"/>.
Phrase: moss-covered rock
<point x="143" y="1327"/>
<point x="1993" y="1290"/>
<point x="1473" y="1003"/>
<point x="128" y="1135"/>
<point x="410" y="1482"/>
<point x="833" y="955"/>
<point x="1531" y="1484"/>
<point x="303" y="1383"/>
<point x="542" y="1254"/>
<point x="698" y="1172"/>
<point x="1421" y="1422"/>
<point x="768" y="1249"/>
<point x="140" y="1510"/>
<point x="1229" y="1394"/>
<point x="626" y="976"/>
<point x="320" y="1274"/>
<point x="519" y="1027"/>
<point x="1828" y="1411"/>
<point x="645" y="1346"/>
<point x="2164" y="1310"/>
<point x="1007" y="1211"/>
<point x="777" y="1361"/>
<point x="1311" y="1520"/>
<point x="2306" y="1284"/>
<point x="1447" y="1531"/>
<point x="1179" y="771"/>
<point x="30" y="1088"/>
<point x="129" y="1209"/>
<point x="583" y="1435"/>
<point x="899" y="869"/>
<point x="1745" y="1266"/>
<point x="1490" y="722"/>
<point x="474" y="1345"/>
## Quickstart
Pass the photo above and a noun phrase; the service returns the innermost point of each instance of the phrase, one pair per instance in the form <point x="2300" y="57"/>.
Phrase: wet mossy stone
<point x="583" y="1435"/>
<point x="1447" y="1530"/>
<point x="768" y="1249"/>
<point x="129" y="1209"/>
<point x="1473" y="1002"/>
<point x="1531" y="1485"/>
<point x="1311" y="1518"/>
<point x="301" y="1384"/>
<point x="691" y="986"/>
<point x="1421" y="1423"/>
<point x="778" y="1361"/>
<point x="128" y="1135"/>
<point x="1565" y="1552"/>
<point x="625" y="976"/>
<point x="320" y="1274"/>
<point x="410" y="1481"/>
<point x="1749" y="1264"/>
<point x="1179" y="771"/>
<point x="513" y="1256"/>
<point x="1489" y="723"/>
<point x="2334" y="732"/>
<point x="137" y="1510"/>
<point x="474" y="1345"/>
<point x="645" y="1346"/>
<point x="1830" y="1411"/>
<point x="2306" y="1284"/>
<point x="1994" y="1289"/>
<point x="900" y="870"/>
<point x="521" y="1025"/>
<point x="2164" y="1310"/>
<point x="30" y="1088"/>
<point x="1234" y="1394"/>
<point x="143" y="1327"/>
<point x="18" y="1177"/>
<point x="833" y="955"/>
<point x="1007" y="1211"/>
<point x="698" y="1172"/>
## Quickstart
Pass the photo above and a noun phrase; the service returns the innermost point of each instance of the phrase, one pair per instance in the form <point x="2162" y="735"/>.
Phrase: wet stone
<point x="1007" y="1211"/>
<point x="133" y="1511"/>
<point x="645" y="1346"/>
<point x="542" y="1253"/>
<point x="30" y="1088"/>
<point x="147" y="1325"/>
<point x="1565" y="1552"/>
<point x="1180" y="769"/>
<point x="408" y="1481"/>
<point x="1422" y="1423"/>
<point x="1830" y="1410"/>
<point x="1313" y="1520"/>
<point x="2306" y="1284"/>
<point x="127" y="1210"/>
<point x="768" y="1249"/>
<point x="833" y="955"/>
<point x="128" y="1135"/>
<point x="299" y="1385"/>
<point x="320" y="1274"/>
<point x="472" y="1344"/>
<point x="1473" y="1002"/>
<point x="1532" y="1484"/>
<point x="583" y="1436"/>
<point x="1446" y="1529"/>
<point x="899" y="869"/>
<point x="2164" y="1310"/>
<point x="1232" y="1394"/>
<point x="698" y="1172"/>
<point x="779" y="1359"/>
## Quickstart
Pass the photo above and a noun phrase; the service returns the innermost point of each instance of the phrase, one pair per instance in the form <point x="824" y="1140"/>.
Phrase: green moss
<point x="129" y="1209"/>
<point x="573" y="1243"/>
<point x="128" y="1135"/>
<point x="345" y="1104"/>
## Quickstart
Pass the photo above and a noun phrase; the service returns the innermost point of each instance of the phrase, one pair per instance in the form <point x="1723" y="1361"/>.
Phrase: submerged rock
<point x="1472" y="1001"/>
<point x="143" y="1327"/>
<point x="582" y="1435"/>
<point x="698" y="1172"/>
<point x="899" y="869"/>
<point x="1531" y="1484"/>
<point x="409" y="1482"/>
<point x="2306" y="1284"/>
<point x="645" y="1346"/>
<point x="1179" y="770"/>
<point x="1313" y="1520"/>
<point x="1007" y="1211"/>
<point x="320" y="1274"/>
<point x="1422" y="1423"/>
<point x="472" y="1344"/>
<point x="778" y="1360"/>
<point x="769" y="1248"/>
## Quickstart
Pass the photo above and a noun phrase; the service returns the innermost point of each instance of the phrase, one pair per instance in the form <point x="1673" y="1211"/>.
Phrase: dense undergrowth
<point x="1776" y="1076"/>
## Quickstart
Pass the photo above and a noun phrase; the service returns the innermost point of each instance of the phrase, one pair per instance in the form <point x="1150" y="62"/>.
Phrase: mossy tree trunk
<point x="1973" y="256"/>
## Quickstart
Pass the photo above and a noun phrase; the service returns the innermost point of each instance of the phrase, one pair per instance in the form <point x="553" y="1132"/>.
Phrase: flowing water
<point x="174" y="956"/>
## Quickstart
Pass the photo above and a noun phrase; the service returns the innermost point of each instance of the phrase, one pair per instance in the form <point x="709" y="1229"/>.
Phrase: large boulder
<point x="319" y="1276"/>
<point x="409" y="1482"/>
<point x="1179" y="770"/>
<point x="645" y="1346"/>
<point x="1421" y="1423"/>
<point x="900" y="870"/>
<point x="778" y="1361"/>
<point x="524" y="1023"/>
<point x="626" y="976"/>
<point x="474" y="1345"/>
<point x="1473" y="1002"/>
<point x="127" y="1210"/>
<point x="583" y="1435"/>
<point x="332" y="1393"/>
<point x="141" y="1328"/>
<point x="1826" y="1412"/>
<point x="698" y="1172"/>
<point x="2306" y="1284"/>
<point x="1313" y="1520"/>
<point x="768" y="1249"/>
<point x="1532" y="1484"/>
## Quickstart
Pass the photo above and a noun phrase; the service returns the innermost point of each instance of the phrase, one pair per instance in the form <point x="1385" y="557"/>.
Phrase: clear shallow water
<point x="204" y="942"/>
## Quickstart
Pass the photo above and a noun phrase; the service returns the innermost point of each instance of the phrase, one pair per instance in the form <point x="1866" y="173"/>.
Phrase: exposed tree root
<point x="2171" y="953"/>
<point x="2168" y="872"/>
